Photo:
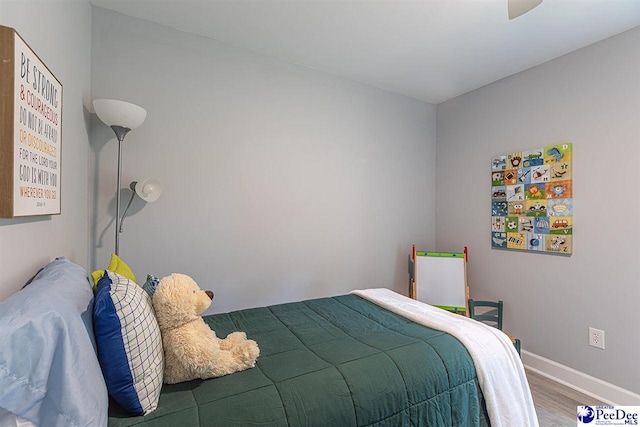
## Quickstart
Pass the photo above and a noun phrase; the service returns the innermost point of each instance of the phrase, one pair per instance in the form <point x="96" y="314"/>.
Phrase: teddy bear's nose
<point x="209" y="294"/>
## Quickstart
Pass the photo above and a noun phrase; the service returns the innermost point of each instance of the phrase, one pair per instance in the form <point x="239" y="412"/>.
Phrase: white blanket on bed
<point x="500" y="371"/>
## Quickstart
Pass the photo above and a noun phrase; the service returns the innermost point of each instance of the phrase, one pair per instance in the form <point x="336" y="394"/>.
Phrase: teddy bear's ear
<point x="162" y="287"/>
<point x="167" y="303"/>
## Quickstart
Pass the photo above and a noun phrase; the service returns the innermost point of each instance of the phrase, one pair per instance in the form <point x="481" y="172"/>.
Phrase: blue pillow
<point x="49" y="372"/>
<point x="129" y="343"/>
<point x="151" y="285"/>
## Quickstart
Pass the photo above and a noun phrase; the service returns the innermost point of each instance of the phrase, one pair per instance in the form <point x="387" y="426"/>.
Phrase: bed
<point x="369" y="358"/>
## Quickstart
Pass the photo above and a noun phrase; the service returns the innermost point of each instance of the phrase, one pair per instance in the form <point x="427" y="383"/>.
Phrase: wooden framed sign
<point x="30" y="131"/>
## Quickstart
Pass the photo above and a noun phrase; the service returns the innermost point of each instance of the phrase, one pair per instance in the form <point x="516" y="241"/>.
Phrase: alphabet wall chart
<point x="532" y="200"/>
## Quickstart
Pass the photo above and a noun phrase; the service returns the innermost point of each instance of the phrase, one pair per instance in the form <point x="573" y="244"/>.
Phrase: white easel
<point x="440" y="279"/>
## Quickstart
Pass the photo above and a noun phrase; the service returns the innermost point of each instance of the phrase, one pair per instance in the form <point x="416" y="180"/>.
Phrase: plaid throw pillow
<point x="129" y="343"/>
<point x="150" y="285"/>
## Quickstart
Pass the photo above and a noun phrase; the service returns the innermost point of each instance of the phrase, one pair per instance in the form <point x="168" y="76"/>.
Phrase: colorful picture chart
<point x="532" y="200"/>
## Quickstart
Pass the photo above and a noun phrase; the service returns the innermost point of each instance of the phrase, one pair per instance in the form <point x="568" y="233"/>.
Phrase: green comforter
<point x="339" y="361"/>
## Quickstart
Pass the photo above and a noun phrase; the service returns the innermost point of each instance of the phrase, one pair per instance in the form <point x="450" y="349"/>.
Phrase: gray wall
<point x="60" y="33"/>
<point x="592" y="98"/>
<point x="280" y="182"/>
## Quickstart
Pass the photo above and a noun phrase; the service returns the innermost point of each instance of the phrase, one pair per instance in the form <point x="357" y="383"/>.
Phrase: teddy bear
<point x="191" y="348"/>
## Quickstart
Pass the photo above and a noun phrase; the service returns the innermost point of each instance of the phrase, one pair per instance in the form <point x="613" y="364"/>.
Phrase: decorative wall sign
<point x="30" y="131"/>
<point x="532" y="200"/>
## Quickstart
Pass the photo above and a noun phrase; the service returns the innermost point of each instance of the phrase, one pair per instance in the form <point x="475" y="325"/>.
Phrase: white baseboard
<point x="586" y="384"/>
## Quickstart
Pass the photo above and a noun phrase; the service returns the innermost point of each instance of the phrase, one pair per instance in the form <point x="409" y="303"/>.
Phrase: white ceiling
<point x="431" y="50"/>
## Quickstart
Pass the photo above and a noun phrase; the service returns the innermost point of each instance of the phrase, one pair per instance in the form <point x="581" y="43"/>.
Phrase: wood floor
<point x="555" y="403"/>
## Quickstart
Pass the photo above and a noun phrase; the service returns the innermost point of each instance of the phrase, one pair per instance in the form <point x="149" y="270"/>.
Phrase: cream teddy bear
<point x="191" y="348"/>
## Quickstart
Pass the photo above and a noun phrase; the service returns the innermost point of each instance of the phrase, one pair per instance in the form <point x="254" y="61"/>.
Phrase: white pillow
<point x="129" y="343"/>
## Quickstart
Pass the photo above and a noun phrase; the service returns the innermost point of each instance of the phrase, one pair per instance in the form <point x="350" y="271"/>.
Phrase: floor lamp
<point x="122" y="117"/>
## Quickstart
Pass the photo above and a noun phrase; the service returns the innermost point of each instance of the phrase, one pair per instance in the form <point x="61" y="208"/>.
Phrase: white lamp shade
<point x="119" y="113"/>
<point x="149" y="190"/>
<point x="520" y="7"/>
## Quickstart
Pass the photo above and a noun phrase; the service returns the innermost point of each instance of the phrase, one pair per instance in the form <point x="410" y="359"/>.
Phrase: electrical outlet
<point x="596" y="338"/>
